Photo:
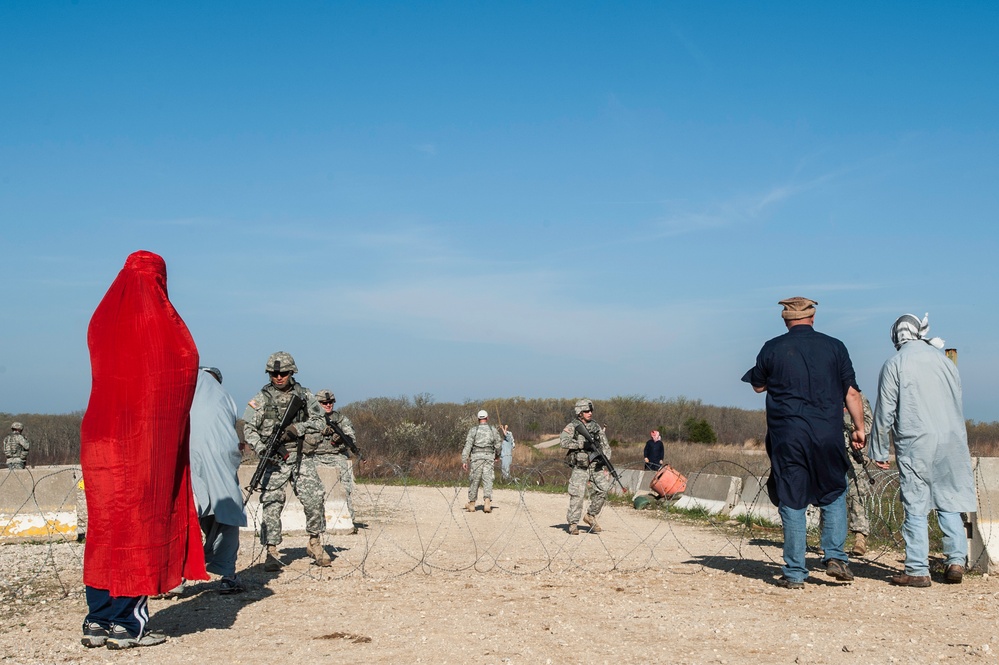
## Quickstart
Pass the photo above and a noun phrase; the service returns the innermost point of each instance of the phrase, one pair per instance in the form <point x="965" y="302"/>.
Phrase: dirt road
<point x="425" y="582"/>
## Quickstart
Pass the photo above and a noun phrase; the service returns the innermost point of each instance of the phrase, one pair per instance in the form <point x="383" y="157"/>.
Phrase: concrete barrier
<point x="983" y="550"/>
<point x="38" y="503"/>
<point x="293" y="516"/>
<point x="636" y="480"/>
<point x="755" y="502"/>
<point x="714" y="493"/>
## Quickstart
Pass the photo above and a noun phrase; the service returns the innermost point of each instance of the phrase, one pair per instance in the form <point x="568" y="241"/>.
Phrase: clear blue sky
<point x="492" y="199"/>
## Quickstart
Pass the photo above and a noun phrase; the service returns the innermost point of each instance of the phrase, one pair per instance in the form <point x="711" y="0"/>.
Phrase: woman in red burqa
<point x="143" y="535"/>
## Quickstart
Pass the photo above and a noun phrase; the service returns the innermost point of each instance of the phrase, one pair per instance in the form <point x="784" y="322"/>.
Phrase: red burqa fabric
<point x="143" y="531"/>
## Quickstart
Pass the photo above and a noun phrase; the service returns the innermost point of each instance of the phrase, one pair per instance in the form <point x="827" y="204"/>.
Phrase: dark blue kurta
<point x="807" y="375"/>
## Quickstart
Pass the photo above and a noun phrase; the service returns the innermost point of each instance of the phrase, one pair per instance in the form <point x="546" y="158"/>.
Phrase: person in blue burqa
<point x="808" y="377"/>
<point x="919" y="406"/>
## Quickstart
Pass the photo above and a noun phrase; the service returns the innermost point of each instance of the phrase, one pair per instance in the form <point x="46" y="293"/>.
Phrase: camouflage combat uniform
<point x="582" y="470"/>
<point x="262" y="414"/>
<point x="15" y="447"/>
<point x="331" y="451"/>
<point x="482" y="447"/>
<point x="858" y="489"/>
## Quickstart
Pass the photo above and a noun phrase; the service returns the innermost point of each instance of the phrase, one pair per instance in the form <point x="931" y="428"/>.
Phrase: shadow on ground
<point x="201" y="607"/>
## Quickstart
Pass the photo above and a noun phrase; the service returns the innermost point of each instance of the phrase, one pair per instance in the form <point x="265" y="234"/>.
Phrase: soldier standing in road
<point x="577" y="449"/>
<point x="15" y="447"/>
<point x="333" y="451"/>
<point x="857" y="487"/>
<point x="262" y="415"/>
<point x="482" y="449"/>
<point x="506" y="453"/>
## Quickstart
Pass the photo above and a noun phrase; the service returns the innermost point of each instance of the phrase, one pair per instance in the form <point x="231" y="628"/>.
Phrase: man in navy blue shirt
<point x="808" y="377"/>
<point x="655" y="454"/>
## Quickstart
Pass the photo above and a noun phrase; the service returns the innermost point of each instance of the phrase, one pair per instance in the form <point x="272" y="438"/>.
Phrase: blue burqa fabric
<point x="215" y="455"/>
<point x="807" y="375"/>
<point x="919" y="404"/>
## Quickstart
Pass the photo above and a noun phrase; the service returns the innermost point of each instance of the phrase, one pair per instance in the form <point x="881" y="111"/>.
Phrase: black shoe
<point x="839" y="570"/>
<point x="786" y="583"/>
<point x="94" y="635"/>
<point x="230" y="585"/>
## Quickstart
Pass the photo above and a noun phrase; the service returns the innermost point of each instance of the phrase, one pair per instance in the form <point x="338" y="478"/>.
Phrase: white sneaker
<point x="119" y="638"/>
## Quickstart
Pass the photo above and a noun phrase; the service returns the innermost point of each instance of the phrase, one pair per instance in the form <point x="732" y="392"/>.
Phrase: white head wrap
<point x="907" y="328"/>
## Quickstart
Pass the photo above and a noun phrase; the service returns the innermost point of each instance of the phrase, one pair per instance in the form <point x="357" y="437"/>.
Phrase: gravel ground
<point x="425" y="582"/>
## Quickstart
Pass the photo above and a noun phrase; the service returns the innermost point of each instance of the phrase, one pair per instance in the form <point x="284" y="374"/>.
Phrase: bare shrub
<point x="983" y="438"/>
<point x="400" y="429"/>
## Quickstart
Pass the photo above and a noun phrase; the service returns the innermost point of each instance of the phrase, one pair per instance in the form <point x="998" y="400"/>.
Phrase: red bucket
<point x="668" y="482"/>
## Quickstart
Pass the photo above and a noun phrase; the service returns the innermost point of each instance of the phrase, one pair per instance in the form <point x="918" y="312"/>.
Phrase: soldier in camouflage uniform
<point x="482" y="449"/>
<point x="262" y="414"/>
<point x="15" y="447"/>
<point x="332" y="451"/>
<point x="583" y="470"/>
<point x="857" y="487"/>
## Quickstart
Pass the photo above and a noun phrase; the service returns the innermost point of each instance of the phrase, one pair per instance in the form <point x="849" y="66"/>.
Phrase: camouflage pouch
<point x="311" y="444"/>
<point x="578" y="459"/>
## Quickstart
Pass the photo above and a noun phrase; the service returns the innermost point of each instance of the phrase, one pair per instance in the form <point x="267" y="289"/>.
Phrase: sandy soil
<point x="425" y="582"/>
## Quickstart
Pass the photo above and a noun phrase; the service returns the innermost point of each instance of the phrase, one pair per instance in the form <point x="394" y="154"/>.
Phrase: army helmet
<point x="18" y="426"/>
<point x="583" y="405"/>
<point x="325" y="396"/>
<point x="281" y="362"/>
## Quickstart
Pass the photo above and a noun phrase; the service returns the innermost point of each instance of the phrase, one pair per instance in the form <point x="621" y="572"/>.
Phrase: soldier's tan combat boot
<point x="272" y="564"/>
<point x="487" y="506"/>
<point x="592" y="523"/>
<point x="573" y="530"/>
<point x="316" y="551"/>
<point x="859" y="544"/>
<point x="470" y="507"/>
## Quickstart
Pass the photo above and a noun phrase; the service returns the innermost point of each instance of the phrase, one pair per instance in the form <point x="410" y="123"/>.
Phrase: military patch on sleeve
<point x="568" y="428"/>
<point x="253" y="404"/>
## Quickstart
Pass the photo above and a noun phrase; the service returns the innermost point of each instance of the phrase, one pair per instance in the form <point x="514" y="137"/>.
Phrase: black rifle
<point x="343" y="437"/>
<point x="596" y="454"/>
<point x="270" y="454"/>
<point x="858" y="457"/>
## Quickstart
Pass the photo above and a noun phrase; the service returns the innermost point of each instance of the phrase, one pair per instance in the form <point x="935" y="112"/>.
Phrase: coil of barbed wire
<point x="410" y="526"/>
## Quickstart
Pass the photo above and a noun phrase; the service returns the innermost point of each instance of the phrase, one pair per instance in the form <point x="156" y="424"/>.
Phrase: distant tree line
<point x="403" y="428"/>
<point x="54" y="439"/>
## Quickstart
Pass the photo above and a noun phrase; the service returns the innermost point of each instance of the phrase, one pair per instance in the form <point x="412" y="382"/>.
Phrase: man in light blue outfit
<point x="215" y="459"/>
<point x="919" y="405"/>
<point x="506" y="452"/>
